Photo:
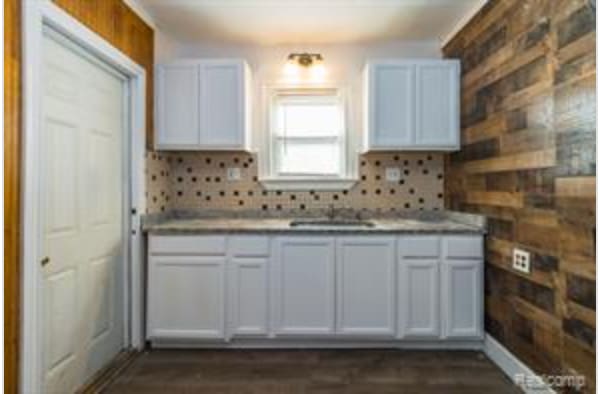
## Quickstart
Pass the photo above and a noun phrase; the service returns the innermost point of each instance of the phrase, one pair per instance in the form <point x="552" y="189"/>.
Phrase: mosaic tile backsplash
<point x="198" y="180"/>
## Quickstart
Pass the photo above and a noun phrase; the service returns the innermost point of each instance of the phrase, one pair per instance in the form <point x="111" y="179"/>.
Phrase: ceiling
<point x="273" y="22"/>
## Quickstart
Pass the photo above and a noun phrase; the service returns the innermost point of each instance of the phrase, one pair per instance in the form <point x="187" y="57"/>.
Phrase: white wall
<point x="165" y="47"/>
<point x="343" y="64"/>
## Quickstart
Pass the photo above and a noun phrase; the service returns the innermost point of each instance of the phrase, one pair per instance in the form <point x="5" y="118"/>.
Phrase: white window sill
<point x="337" y="184"/>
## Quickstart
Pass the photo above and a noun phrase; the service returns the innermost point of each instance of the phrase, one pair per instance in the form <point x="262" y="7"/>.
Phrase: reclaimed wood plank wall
<point x="120" y="26"/>
<point x="528" y="163"/>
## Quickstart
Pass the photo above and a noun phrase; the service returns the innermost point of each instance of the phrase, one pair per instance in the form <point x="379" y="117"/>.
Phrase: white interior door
<point x="82" y="200"/>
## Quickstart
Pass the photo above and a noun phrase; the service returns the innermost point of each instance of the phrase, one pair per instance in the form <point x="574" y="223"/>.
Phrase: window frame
<point x="269" y="176"/>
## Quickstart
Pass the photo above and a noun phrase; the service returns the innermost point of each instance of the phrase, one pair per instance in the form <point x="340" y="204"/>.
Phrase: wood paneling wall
<point x="120" y="26"/>
<point x="528" y="163"/>
<point x="12" y="206"/>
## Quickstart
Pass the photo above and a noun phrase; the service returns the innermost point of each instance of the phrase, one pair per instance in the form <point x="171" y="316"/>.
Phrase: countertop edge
<point x="167" y="231"/>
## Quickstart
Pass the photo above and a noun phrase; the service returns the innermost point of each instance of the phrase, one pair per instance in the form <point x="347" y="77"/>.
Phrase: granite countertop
<point x="176" y="222"/>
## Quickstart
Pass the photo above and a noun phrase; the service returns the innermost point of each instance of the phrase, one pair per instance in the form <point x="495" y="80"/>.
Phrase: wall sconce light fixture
<point x="305" y="59"/>
<point x="311" y="62"/>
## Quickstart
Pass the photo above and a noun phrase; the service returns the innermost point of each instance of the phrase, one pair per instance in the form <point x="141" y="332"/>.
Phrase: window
<point x="307" y="139"/>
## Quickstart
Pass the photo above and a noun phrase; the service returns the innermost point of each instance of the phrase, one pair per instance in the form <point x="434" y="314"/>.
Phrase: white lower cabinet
<point x="418" y="298"/>
<point x="248" y="296"/>
<point x="304" y="286"/>
<point x="186" y="297"/>
<point x="373" y="287"/>
<point x="462" y="297"/>
<point x="366" y="286"/>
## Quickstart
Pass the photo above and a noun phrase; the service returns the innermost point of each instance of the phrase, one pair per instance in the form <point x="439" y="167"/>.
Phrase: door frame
<point x="37" y="15"/>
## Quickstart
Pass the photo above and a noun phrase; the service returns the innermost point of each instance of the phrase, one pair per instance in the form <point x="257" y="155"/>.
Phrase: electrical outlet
<point x="521" y="260"/>
<point x="392" y="174"/>
<point x="234" y="174"/>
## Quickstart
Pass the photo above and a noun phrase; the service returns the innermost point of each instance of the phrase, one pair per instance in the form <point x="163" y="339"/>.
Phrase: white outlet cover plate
<point x="234" y="174"/>
<point x="521" y="260"/>
<point x="392" y="174"/>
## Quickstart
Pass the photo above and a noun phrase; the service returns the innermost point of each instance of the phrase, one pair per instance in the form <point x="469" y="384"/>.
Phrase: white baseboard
<point x="291" y="343"/>
<point x="511" y="365"/>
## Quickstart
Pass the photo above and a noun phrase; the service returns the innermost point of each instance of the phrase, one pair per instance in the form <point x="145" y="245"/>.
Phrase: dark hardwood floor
<point x="312" y="371"/>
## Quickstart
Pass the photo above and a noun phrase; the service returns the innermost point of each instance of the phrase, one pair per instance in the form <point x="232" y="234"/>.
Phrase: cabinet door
<point x="391" y="107"/>
<point x="177" y="106"/>
<point x="303" y="279"/>
<point x="186" y="297"/>
<point x="366" y="286"/>
<point x="222" y="107"/>
<point x="248" y="290"/>
<point x="437" y="104"/>
<point x="462" y="298"/>
<point x="418" y="298"/>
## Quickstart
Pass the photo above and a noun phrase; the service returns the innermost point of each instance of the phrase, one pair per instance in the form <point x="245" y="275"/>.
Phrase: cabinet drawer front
<point x="249" y="246"/>
<point x="187" y="244"/>
<point x="420" y="246"/>
<point x="464" y="247"/>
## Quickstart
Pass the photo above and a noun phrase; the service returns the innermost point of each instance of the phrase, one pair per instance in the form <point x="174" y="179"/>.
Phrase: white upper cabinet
<point x="392" y="105"/>
<point x="412" y="105"/>
<point x="177" y="104"/>
<point x="203" y="105"/>
<point x="437" y="104"/>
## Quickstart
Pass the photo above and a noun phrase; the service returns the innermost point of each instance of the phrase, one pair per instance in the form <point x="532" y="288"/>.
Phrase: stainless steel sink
<point x="331" y="223"/>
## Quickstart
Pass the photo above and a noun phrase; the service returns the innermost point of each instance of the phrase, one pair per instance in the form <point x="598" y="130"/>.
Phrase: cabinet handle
<point x="45" y="261"/>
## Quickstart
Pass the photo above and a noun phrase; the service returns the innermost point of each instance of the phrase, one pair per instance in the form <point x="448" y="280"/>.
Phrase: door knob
<point x="45" y="261"/>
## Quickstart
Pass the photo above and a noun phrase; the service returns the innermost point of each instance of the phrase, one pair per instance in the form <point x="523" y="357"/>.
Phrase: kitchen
<point x="301" y="196"/>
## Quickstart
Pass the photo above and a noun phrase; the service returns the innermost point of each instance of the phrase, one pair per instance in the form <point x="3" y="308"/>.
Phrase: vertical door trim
<point x="37" y="15"/>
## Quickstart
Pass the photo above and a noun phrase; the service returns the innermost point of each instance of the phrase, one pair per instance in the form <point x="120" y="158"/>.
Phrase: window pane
<point x="308" y="119"/>
<point x="308" y="158"/>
